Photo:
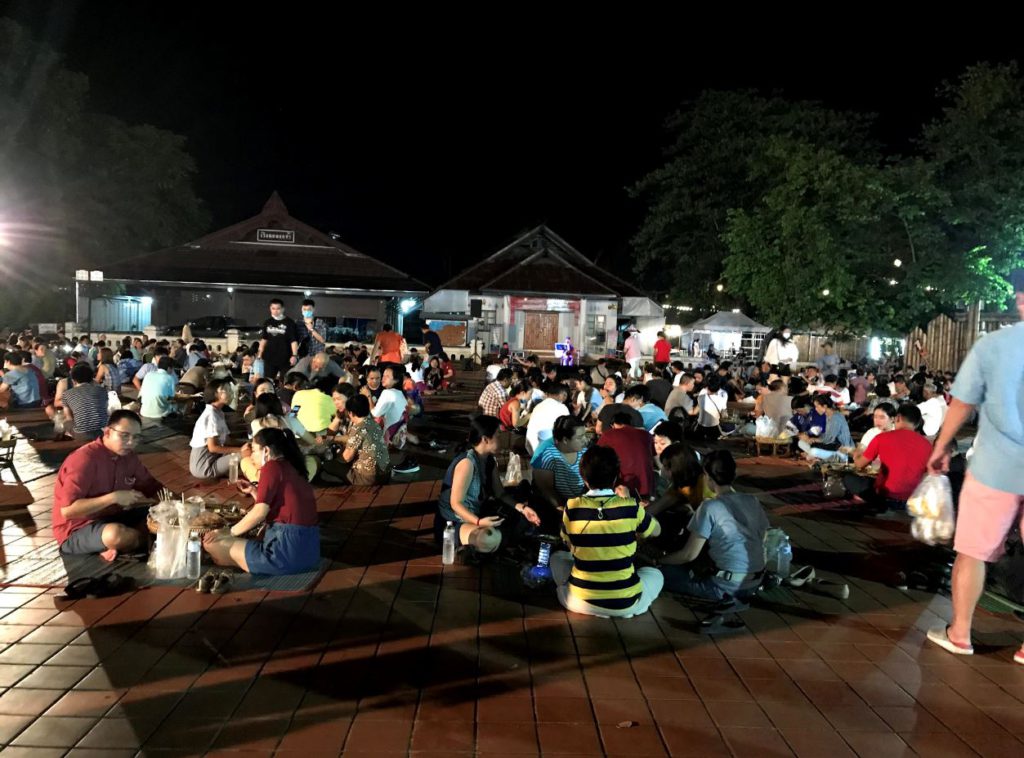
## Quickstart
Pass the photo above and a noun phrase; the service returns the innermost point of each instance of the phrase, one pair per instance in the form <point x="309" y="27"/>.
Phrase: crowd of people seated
<point x="654" y="419"/>
<point x="306" y="412"/>
<point x="614" y="452"/>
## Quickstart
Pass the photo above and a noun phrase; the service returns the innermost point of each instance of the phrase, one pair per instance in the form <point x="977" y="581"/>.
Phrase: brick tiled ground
<point x="393" y="654"/>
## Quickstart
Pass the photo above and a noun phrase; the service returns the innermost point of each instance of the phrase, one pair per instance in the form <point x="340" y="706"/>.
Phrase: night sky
<point x="431" y="140"/>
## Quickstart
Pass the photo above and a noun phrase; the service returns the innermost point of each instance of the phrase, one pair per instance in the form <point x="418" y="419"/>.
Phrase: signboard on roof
<point x="275" y="235"/>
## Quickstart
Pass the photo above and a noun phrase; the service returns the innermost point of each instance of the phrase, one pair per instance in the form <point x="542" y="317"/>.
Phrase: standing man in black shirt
<point x="432" y="341"/>
<point x="279" y="342"/>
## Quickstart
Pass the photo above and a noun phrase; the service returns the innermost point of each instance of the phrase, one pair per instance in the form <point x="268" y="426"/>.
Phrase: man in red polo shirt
<point x="96" y="489"/>
<point x="903" y="453"/>
<point x="635" y="449"/>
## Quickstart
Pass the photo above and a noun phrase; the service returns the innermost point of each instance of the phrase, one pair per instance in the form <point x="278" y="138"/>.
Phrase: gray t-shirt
<point x="677" y="398"/>
<point x="992" y="378"/>
<point x="734" y="524"/>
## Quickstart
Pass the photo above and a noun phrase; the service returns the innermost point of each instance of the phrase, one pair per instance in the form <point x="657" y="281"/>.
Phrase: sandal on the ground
<point x="79" y="588"/>
<point x="113" y="584"/>
<point x="940" y="636"/>
<point x="222" y="583"/>
<point x="838" y="590"/>
<point x="1018" y="657"/>
<point x="801" y="576"/>
<point x="205" y="583"/>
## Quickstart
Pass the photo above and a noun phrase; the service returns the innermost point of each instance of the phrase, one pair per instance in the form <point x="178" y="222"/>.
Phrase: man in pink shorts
<point x="991" y="382"/>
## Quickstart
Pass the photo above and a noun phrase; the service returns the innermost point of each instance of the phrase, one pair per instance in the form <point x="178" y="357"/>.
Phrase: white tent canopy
<point x="643" y="307"/>
<point x="727" y="322"/>
<point x="729" y="333"/>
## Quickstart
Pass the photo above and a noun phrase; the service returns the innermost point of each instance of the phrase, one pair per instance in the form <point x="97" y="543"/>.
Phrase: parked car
<point x="215" y="326"/>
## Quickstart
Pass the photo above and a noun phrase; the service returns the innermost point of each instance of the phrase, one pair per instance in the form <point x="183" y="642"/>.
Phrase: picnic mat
<point x="46" y="567"/>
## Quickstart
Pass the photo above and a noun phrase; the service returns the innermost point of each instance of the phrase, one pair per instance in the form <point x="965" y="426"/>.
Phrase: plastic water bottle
<point x="544" y="554"/>
<point x="233" y="462"/>
<point x="448" y="552"/>
<point x="193" y="557"/>
<point x="58" y="424"/>
<point x="785" y="558"/>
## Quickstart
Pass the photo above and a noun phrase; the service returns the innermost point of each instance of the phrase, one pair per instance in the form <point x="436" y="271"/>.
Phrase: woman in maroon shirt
<point x="285" y="502"/>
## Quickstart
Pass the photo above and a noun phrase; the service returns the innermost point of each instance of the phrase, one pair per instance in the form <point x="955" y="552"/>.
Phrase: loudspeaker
<point x="476" y="308"/>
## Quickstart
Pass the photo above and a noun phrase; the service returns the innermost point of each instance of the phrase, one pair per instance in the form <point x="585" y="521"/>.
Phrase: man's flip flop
<point x="940" y="636"/>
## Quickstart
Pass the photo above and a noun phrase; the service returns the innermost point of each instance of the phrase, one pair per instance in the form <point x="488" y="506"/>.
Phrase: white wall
<point x="447" y="301"/>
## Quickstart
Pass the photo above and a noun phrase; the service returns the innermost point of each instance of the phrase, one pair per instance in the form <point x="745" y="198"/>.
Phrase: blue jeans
<point x="684" y="581"/>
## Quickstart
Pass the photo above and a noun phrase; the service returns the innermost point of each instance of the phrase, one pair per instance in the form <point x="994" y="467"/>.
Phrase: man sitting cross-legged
<point x="97" y="487"/>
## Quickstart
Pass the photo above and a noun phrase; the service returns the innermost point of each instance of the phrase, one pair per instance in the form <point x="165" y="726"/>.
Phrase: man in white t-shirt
<point x="933" y="410"/>
<point x="546" y="412"/>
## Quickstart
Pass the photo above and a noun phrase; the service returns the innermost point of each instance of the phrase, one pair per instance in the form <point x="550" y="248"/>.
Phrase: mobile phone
<point x="295" y="411"/>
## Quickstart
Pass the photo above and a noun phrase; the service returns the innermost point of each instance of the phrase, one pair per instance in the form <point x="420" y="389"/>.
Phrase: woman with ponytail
<point x="284" y="502"/>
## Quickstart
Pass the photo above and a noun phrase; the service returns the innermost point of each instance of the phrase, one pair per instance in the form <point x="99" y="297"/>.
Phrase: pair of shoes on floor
<point x="217" y="582"/>
<point x="408" y="465"/>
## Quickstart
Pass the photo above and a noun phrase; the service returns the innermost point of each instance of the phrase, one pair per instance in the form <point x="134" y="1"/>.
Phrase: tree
<point x="976" y="153"/>
<point x="708" y="173"/>
<point x="78" y="188"/>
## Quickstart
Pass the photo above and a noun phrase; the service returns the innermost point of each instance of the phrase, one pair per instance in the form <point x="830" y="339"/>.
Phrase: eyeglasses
<point x="126" y="436"/>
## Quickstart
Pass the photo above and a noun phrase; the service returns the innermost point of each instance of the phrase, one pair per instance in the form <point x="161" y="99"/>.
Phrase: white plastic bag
<point x="514" y="472"/>
<point x="113" y="402"/>
<point x="931" y="505"/>
<point x="167" y="561"/>
<point x="766" y="427"/>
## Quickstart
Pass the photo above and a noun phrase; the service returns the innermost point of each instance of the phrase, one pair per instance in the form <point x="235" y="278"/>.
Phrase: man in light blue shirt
<point x="158" y="388"/>
<point x="991" y="382"/>
<point x="638" y="396"/>
<point x="19" y="388"/>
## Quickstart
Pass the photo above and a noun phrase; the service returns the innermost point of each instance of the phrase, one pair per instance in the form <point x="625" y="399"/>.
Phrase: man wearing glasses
<point x="98" y="487"/>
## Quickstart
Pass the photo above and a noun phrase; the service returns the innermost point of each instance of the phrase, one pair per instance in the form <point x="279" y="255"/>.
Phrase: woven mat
<point x="46" y="567"/>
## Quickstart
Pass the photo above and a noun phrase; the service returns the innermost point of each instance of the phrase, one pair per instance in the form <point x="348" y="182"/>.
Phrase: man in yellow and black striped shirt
<point x="598" y="575"/>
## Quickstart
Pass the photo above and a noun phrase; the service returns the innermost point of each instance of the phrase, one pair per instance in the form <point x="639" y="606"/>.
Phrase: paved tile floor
<point x="394" y="654"/>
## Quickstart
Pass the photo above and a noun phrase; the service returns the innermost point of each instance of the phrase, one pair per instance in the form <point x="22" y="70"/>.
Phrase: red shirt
<point x="91" y="471"/>
<point x="662" y="351"/>
<point x="505" y="414"/>
<point x="904" y="455"/>
<point x="288" y="494"/>
<point x="635" y="449"/>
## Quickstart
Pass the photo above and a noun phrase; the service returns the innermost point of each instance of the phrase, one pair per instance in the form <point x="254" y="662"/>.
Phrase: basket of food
<point x="206" y="521"/>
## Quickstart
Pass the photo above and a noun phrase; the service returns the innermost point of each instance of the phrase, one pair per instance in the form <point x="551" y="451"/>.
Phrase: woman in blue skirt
<point x="285" y="502"/>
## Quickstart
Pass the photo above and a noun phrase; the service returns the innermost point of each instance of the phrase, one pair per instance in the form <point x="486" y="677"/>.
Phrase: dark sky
<point x="430" y="140"/>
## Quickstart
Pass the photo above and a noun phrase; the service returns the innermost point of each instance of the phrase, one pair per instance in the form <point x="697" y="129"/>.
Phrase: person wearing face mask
<point x="285" y="502"/>
<point x="97" y="489"/>
<point x="279" y="342"/>
<point x="781" y="350"/>
<point x="312" y="331"/>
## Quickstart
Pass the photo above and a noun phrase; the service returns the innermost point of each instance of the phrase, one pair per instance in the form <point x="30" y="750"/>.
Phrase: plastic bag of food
<point x="931" y="505"/>
<point x="167" y="561"/>
<point x="514" y="471"/>
<point x="766" y="427"/>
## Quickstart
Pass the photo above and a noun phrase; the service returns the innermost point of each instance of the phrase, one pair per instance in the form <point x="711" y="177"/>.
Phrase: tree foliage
<point x="787" y="214"/>
<point x="79" y="188"/>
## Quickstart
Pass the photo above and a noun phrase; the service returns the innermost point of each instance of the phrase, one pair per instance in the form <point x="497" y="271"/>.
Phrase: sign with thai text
<point x="275" y="235"/>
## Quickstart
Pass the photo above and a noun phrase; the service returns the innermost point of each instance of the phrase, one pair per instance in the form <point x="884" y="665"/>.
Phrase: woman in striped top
<point x="556" y="463"/>
<point x="598" y="576"/>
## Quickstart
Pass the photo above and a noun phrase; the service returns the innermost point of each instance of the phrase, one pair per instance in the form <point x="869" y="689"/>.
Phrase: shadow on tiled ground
<point x="393" y="654"/>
